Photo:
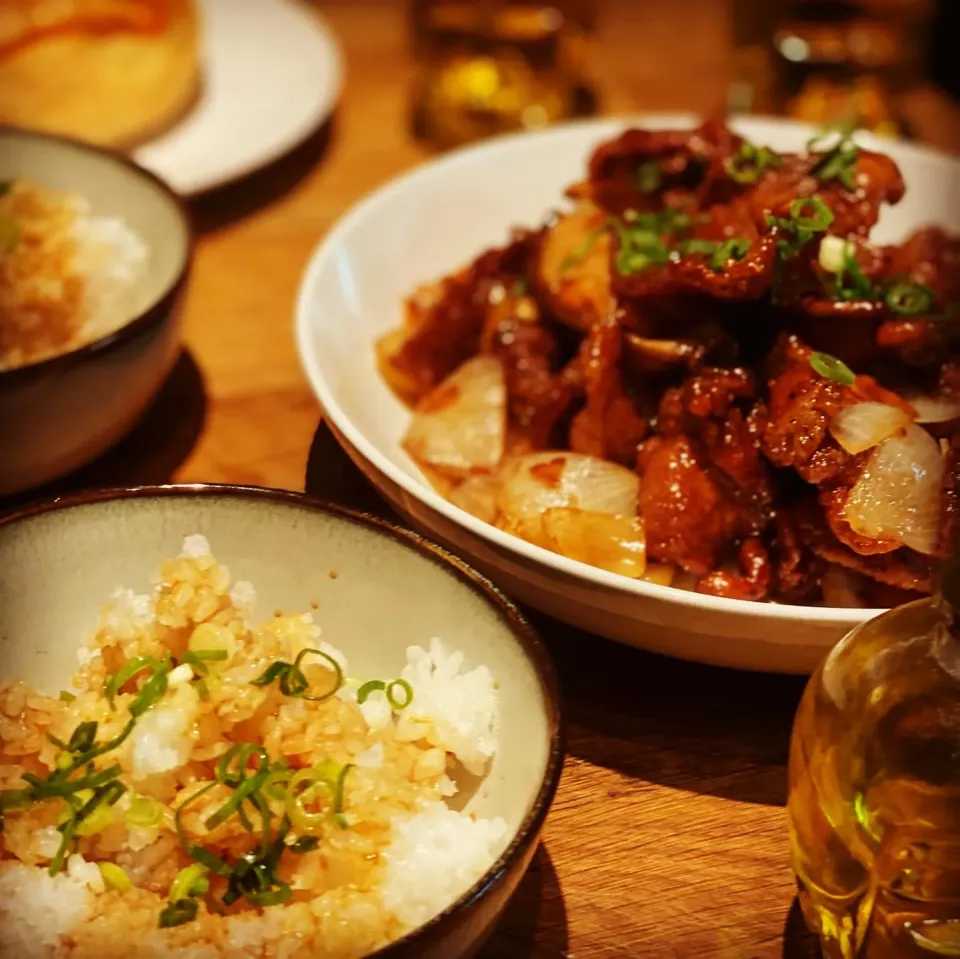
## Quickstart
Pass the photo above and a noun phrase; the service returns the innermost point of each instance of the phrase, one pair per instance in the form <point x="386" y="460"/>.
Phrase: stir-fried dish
<point x="704" y="374"/>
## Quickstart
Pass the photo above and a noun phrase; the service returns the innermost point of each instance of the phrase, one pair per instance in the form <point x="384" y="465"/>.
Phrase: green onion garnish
<point x="649" y="177"/>
<point x="837" y="162"/>
<point x="144" y="812"/>
<point x="293" y="681"/>
<point x="750" y="162"/>
<point x="190" y="881"/>
<point x="909" y="299"/>
<point x="178" y="913"/>
<point x="239" y="778"/>
<point x="735" y="248"/>
<point x="395" y="703"/>
<point x="817" y="221"/>
<point x="115" y="876"/>
<point x="127" y="672"/>
<point x="66" y="696"/>
<point x="849" y="283"/>
<point x="832" y="368"/>
<point x="304" y="844"/>
<point x="378" y="685"/>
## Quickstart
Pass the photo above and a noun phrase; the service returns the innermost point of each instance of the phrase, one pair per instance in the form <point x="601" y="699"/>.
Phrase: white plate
<point x="442" y="215"/>
<point x="272" y="73"/>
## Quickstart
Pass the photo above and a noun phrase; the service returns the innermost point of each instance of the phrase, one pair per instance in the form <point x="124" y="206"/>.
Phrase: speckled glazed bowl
<point x="60" y="559"/>
<point x="61" y="413"/>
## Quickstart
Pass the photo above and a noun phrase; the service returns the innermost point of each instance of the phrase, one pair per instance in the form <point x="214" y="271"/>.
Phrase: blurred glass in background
<point x="492" y="66"/>
<point x="828" y="61"/>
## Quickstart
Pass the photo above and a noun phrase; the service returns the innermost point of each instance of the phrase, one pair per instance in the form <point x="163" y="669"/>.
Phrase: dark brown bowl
<point x="61" y="413"/>
<point x="392" y="588"/>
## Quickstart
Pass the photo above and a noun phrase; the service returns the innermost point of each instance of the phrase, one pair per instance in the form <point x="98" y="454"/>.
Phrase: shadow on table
<point x="229" y="204"/>
<point x="654" y="719"/>
<point x="798" y="941"/>
<point x="534" y="925"/>
<point x="152" y="451"/>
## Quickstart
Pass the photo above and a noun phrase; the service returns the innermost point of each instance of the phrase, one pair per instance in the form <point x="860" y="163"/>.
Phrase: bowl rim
<point x="152" y="314"/>
<point x="500" y="147"/>
<point x="533" y="647"/>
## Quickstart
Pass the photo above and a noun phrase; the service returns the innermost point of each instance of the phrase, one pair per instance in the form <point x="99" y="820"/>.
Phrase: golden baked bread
<point x="111" y="72"/>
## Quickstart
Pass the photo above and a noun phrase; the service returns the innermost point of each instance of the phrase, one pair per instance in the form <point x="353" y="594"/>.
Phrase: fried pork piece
<point x="609" y="425"/>
<point x="688" y="519"/>
<point x="705" y="486"/>
<point x="445" y="320"/>
<point x="801" y="403"/>
<point x="682" y="165"/>
<point x="538" y="397"/>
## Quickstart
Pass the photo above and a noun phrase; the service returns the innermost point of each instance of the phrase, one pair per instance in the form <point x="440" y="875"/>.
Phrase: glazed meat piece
<point x="642" y="169"/>
<point x="444" y="321"/>
<point x="753" y="580"/>
<point x="609" y="425"/>
<point x="688" y="518"/>
<point x="537" y="396"/>
<point x="714" y="314"/>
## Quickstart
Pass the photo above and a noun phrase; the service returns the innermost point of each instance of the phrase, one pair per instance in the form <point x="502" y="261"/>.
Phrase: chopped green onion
<point x="178" y="913"/>
<point x="209" y="859"/>
<point x="909" y="299"/>
<point x="303" y="789"/>
<point x="735" y="248"/>
<point x="832" y="368"/>
<point x="66" y="838"/>
<point x="365" y="691"/>
<point x="649" y="177"/>
<point x="338" y="816"/>
<point x="97" y="813"/>
<point x="839" y="158"/>
<point x="243" y="784"/>
<point x="271" y="674"/>
<point x="212" y="637"/>
<point x="15" y="799"/>
<point x="115" y="877"/>
<point x="817" y="221"/>
<point x="750" y="162"/>
<point x="144" y="812"/>
<point x="127" y="672"/>
<point x="395" y="703"/>
<point x="66" y="696"/>
<point x="57" y="788"/>
<point x="182" y="808"/>
<point x="190" y="881"/>
<point x="84" y="736"/>
<point x="278" y="781"/>
<point x="707" y="247"/>
<point x="293" y="681"/>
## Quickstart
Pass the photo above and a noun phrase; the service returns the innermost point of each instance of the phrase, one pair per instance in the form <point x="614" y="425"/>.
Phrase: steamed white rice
<point x="67" y="277"/>
<point x="397" y="856"/>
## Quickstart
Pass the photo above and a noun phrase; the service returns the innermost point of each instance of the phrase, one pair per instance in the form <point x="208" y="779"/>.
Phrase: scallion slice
<point x="832" y="368"/>
<point x="909" y="299"/>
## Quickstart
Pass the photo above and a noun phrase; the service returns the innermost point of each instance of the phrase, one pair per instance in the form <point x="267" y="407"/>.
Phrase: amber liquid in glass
<point x="874" y="802"/>
<point x="492" y="66"/>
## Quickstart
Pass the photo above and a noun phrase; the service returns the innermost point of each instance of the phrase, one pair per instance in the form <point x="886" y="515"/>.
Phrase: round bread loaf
<point x="111" y="73"/>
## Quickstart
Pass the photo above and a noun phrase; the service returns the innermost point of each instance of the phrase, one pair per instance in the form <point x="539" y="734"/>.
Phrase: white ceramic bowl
<point x="440" y="216"/>
<point x="59" y="414"/>
<point x="60" y="560"/>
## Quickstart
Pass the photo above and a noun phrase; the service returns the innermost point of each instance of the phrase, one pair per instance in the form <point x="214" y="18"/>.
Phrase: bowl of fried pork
<point x="689" y="386"/>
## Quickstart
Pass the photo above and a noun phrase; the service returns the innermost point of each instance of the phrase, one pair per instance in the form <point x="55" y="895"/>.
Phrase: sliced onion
<point x="898" y="494"/>
<point x="537" y="482"/>
<point x="864" y="425"/>
<point x="934" y="409"/>
<point x="613" y="543"/>
<point x="841" y="588"/>
<point x="478" y="496"/>
<point x="460" y="427"/>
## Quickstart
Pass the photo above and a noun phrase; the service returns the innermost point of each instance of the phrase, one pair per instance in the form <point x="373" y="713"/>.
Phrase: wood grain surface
<point x="668" y="837"/>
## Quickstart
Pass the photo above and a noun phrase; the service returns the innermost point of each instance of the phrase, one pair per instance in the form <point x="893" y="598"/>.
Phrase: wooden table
<point x="668" y="837"/>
